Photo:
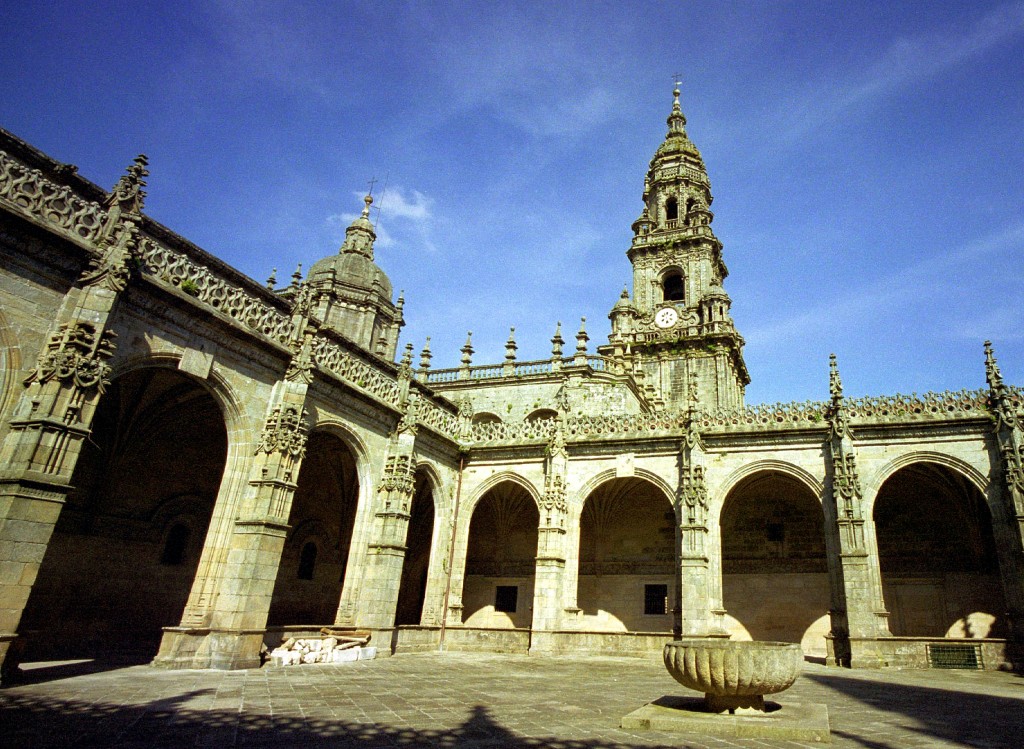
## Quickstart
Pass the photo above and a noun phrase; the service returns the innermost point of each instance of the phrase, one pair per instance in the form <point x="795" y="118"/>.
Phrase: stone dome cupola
<point x="353" y="295"/>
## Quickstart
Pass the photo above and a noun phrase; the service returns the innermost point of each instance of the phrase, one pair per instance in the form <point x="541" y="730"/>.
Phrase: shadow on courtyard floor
<point x="42" y="671"/>
<point x="38" y="723"/>
<point x="964" y="718"/>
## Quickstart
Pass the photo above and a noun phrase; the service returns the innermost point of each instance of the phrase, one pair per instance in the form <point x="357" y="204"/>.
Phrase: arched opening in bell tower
<point x="671" y="212"/>
<point x="673" y="287"/>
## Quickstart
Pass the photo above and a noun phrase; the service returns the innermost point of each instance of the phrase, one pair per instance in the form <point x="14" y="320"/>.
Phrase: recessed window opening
<point x="505" y="598"/>
<point x="674" y="288"/>
<point x="655" y="600"/>
<point x="175" y="545"/>
<point x="671" y="209"/>
<point x="307" y="561"/>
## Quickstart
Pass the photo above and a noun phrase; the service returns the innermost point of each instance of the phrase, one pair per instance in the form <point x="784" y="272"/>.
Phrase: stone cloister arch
<point x="501" y="551"/>
<point x="419" y="545"/>
<point x="314" y="561"/>
<point x="775" y="583"/>
<point x="627" y="578"/>
<point x="127" y="545"/>
<point x="937" y="553"/>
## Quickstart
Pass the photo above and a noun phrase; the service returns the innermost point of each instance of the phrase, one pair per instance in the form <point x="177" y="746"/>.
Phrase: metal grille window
<point x="655" y="600"/>
<point x="505" y="598"/>
<point x="955" y="656"/>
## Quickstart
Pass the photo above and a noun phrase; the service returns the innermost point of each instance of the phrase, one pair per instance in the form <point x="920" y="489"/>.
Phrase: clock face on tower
<point x="666" y="317"/>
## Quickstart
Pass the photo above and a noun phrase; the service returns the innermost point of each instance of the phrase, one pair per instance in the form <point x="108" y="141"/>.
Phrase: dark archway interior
<point x="413" y="587"/>
<point x="937" y="555"/>
<point x="627" y="558"/>
<point x="126" y="547"/>
<point x="674" y="288"/>
<point x="501" y="556"/>
<point x="774" y="567"/>
<point x="312" y="570"/>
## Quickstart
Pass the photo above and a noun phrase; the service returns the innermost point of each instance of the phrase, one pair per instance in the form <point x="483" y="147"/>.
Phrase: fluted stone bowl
<point x="732" y="673"/>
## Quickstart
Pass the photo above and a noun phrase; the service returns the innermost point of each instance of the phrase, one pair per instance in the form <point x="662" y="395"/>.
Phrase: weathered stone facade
<point x="193" y="464"/>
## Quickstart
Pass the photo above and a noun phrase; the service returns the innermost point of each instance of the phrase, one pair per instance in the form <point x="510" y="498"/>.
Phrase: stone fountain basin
<point x="733" y="673"/>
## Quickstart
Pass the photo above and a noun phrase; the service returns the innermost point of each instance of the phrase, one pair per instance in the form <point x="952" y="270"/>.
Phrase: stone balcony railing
<point x="513" y="370"/>
<point x="775" y="417"/>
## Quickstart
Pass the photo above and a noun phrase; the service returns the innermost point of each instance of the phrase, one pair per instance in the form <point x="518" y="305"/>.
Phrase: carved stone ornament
<point x="409" y="423"/>
<point x="110" y="266"/>
<point x="300" y="368"/>
<point x="285" y="432"/>
<point x="694" y="494"/>
<point x="846" y="485"/>
<point x="399" y="475"/>
<point x="553" y="502"/>
<point x="78" y="355"/>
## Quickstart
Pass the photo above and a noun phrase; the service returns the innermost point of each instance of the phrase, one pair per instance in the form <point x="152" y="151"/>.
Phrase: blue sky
<point x="867" y="163"/>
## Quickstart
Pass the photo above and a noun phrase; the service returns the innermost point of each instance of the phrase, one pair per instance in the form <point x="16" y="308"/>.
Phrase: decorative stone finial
<point x="272" y="280"/>
<point x="425" y="355"/>
<point x="407" y="356"/>
<point x="510" y="346"/>
<point x="992" y="373"/>
<point x="128" y="195"/>
<point x="467" y="350"/>
<point x="676" y="120"/>
<point x="582" y="337"/>
<point x="400" y="304"/>
<point x="368" y="200"/>
<point x="835" y="384"/>
<point x="557" y="342"/>
<point x="297" y="275"/>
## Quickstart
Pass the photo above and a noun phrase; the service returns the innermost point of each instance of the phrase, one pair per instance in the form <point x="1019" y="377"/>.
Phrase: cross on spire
<point x="371" y="183"/>
<point x="678" y="79"/>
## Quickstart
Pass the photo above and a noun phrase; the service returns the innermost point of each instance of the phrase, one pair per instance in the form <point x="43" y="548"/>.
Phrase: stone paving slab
<point x="477" y="700"/>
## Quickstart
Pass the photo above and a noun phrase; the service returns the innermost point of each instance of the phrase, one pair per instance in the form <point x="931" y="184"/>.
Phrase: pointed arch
<point x="499" y="478"/>
<point x="878" y="477"/>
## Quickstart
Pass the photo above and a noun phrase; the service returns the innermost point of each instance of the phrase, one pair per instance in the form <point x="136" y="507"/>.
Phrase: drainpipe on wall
<point x="451" y="555"/>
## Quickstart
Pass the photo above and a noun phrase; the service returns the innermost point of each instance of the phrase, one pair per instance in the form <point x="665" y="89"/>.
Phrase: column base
<point x="224" y="649"/>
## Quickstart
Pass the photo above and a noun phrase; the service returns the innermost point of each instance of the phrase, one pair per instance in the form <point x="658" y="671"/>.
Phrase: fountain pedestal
<point x="734" y="676"/>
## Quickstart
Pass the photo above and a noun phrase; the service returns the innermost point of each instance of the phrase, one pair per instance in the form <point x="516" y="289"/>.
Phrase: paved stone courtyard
<point x="474" y="700"/>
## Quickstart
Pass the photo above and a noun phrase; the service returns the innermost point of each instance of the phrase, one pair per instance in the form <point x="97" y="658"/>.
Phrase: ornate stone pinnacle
<point x="272" y="280"/>
<point x="582" y="337"/>
<point x="297" y="275"/>
<point x="835" y="384"/>
<point x="467" y="349"/>
<point x="407" y="355"/>
<point x="510" y="346"/>
<point x="425" y="355"/>
<point x="400" y="304"/>
<point x="557" y="342"/>
<point x="992" y="373"/>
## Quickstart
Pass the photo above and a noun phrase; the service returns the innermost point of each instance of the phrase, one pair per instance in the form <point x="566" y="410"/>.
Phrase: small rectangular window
<point x="655" y="600"/>
<point x="505" y="598"/>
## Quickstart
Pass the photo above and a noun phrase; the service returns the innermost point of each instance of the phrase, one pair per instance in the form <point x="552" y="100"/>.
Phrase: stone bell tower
<point x="677" y="324"/>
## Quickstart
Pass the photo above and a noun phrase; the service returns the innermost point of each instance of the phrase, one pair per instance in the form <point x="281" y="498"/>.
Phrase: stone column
<point x="377" y="591"/>
<point x="54" y="414"/>
<point x="858" y="610"/>
<point x="1008" y="522"/>
<point x="242" y="591"/>
<point x="549" y="572"/>
<point x="694" y="617"/>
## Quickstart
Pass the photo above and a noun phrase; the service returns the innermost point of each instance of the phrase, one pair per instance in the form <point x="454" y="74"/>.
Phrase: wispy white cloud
<point x="402" y="218"/>
<point x="905" y="61"/>
<point x="868" y="301"/>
